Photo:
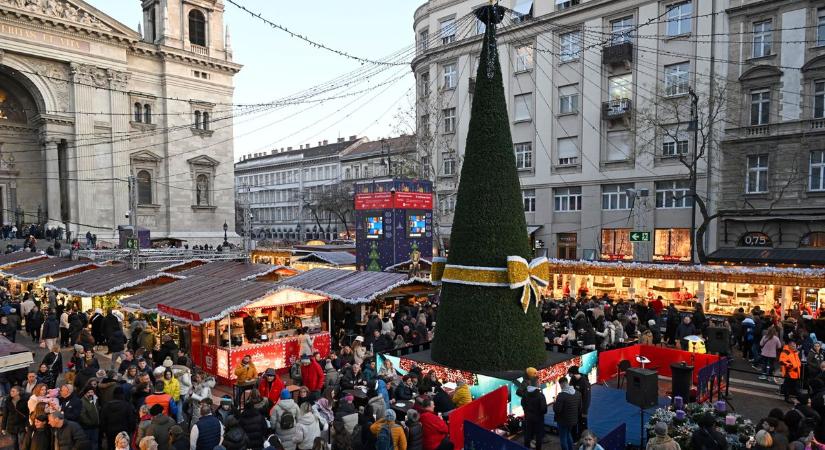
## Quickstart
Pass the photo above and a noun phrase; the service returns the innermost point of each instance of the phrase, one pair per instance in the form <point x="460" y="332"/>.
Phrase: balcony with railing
<point x="199" y="50"/>
<point x="617" y="53"/>
<point x="616" y="109"/>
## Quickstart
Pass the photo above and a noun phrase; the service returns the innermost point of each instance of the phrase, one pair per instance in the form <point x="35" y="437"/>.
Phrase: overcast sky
<point x="276" y="65"/>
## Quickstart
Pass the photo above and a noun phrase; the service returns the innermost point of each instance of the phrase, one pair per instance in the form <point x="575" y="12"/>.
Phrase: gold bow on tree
<point x="530" y="277"/>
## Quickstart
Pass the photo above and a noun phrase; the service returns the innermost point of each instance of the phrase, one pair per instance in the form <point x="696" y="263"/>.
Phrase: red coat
<point x="312" y="375"/>
<point x="273" y="391"/>
<point x="435" y="429"/>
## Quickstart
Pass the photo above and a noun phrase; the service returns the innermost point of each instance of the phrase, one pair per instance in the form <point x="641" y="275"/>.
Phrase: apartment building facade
<point x="773" y="171"/>
<point x="597" y="92"/>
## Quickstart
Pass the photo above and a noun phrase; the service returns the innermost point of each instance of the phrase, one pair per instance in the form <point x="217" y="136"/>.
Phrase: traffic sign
<point x="131" y="243"/>
<point x="640" y="236"/>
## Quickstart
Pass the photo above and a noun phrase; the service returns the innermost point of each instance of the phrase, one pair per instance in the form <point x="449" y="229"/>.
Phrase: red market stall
<point x="221" y="315"/>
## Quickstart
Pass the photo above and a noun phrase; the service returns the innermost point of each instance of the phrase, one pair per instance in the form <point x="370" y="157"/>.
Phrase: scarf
<point x="324" y="410"/>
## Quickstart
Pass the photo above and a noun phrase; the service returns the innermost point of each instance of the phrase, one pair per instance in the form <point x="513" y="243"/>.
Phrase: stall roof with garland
<point x="334" y="258"/>
<point x="349" y="286"/>
<point x="781" y="276"/>
<point x="48" y="267"/>
<point x="106" y="280"/>
<point x="19" y="258"/>
<point x="233" y="270"/>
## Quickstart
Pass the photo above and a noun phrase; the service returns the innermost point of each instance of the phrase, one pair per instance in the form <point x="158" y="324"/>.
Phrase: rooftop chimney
<point x="319" y="143"/>
<point x="353" y="137"/>
<point x="272" y="152"/>
<point x="307" y="145"/>
<point x="301" y="147"/>
<point x="325" y="142"/>
<point x="289" y="149"/>
<point x="340" y="139"/>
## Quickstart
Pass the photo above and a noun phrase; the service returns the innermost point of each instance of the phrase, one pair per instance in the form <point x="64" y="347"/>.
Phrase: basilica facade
<point x="86" y="103"/>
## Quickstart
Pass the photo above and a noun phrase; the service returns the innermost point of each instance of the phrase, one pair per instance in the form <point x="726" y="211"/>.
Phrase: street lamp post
<point x="225" y="229"/>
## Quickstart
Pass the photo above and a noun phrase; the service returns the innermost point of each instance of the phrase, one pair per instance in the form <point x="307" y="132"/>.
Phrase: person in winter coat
<point x="15" y="414"/>
<point x="117" y="416"/>
<point x="341" y="438"/>
<point x="352" y="377"/>
<point x="159" y="427"/>
<point x="90" y="415"/>
<point x="38" y="437"/>
<point x="234" y="437"/>
<point x="707" y="436"/>
<point x="535" y="407"/>
<point x="111" y="323"/>
<point x="770" y="349"/>
<point x="662" y="441"/>
<point x="117" y="344"/>
<point x="308" y="427"/>
<point x="375" y="403"/>
<point x="286" y="405"/>
<point x="399" y="438"/>
<point x="462" y="394"/>
<point x="177" y="439"/>
<point x="686" y="328"/>
<point x="312" y="375"/>
<point x="67" y="434"/>
<point x="435" y="429"/>
<point x="254" y="425"/>
<point x="567" y="408"/>
<point x="69" y="403"/>
<point x="201" y="390"/>
<point x="208" y="432"/>
<point x="271" y="386"/>
<point x="413" y="430"/>
<point x="34" y="323"/>
<point x="171" y="385"/>
<point x="97" y="326"/>
<point x="50" y="332"/>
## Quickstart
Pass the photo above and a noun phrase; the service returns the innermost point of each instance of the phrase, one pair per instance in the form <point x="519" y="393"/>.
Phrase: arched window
<point x="198" y="120"/>
<point x="147" y="113"/>
<point x="197" y="28"/>
<point x="144" y="187"/>
<point x="815" y="239"/>
<point x="205" y="120"/>
<point x="138" y="112"/>
<point x="202" y="190"/>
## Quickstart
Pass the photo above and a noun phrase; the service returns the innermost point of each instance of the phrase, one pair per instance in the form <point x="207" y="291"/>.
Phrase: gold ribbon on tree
<point x="530" y="277"/>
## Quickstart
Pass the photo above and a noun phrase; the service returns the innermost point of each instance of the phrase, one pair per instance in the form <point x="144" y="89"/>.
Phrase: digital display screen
<point x="416" y="225"/>
<point x="375" y="227"/>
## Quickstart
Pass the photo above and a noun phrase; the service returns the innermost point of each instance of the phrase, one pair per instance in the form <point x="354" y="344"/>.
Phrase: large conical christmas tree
<point x="480" y="327"/>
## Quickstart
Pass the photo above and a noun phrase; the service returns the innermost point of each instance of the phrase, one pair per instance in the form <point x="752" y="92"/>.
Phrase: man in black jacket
<point x="566" y="409"/>
<point x="15" y="414"/>
<point x="707" y="437"/>
<point x="535" y="407"/>
<point x="117" y="415"/>
<point x="67" y="434"/>
<point x="582" y="385"/>
<point x="69" y="404"/>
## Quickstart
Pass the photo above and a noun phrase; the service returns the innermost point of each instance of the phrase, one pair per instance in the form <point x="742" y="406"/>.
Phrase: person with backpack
<point x="284" y="417"/>
<point x="388" y="434"/>
<point x="413" y="430"/>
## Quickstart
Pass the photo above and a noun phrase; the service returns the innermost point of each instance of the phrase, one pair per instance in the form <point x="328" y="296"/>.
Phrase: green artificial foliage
<point x="373" y="256"/>
<point x="485" y="328"/>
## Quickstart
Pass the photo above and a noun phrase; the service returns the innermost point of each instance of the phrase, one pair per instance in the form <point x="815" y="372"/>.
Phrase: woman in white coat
<point x="308" y="427"/>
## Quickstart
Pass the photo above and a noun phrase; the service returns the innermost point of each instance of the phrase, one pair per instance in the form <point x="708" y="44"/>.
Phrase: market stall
<point x="721" y="289"/>
<point x="272" y="256"/>
<point x="34" y="274"/>
<point x="240" y="270"/>
<point x="332" y="260"/>
<point x="227" y="319"/>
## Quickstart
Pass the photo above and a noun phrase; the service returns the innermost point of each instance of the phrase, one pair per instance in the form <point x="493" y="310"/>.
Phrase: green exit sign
<point x="131" y="243"/>
<point x="639" y="236"/>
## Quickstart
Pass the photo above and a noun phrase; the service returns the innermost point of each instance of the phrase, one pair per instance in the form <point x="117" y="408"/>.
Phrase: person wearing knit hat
<point x="529" y="379"/>
<point x="661" y="441"/>
<point x="531" y="372"/>
<point x="399" y="438"/>
<point x="285" y="394"/>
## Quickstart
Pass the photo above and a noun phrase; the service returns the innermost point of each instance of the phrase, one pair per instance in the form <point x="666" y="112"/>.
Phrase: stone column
<point x="52" y="184"/>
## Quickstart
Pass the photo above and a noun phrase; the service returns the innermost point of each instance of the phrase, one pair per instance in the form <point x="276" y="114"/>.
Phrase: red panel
<point x="195" y="345"/>
<point x="413" y="200"/>
<point x="488" y="411"/>
<point x="377" y="200"/>
<point x="179" y="313"/>
<point x="277" y="354"/>
<point x="660" y="359"/>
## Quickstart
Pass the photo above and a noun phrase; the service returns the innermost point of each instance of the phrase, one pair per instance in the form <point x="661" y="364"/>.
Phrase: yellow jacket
<point x="462" y="396"/>
<point x="172" y="387"/>
<point x="399" y="439"/>
<point x="245" y="374"/>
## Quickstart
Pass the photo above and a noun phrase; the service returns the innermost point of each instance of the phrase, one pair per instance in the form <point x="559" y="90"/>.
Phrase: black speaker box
<point x="642" y="387"/>
<point x="681" y="379"/>
<point x="718" y="340"/>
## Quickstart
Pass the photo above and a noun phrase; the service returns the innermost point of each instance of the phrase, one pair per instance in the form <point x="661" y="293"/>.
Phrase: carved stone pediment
<point x="145" y="156"/>
<point x="75" y="11"/>
<point x="204" y="161"/>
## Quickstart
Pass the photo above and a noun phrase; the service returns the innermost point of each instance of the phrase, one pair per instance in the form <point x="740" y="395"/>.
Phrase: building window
<point x="569" y="46"/>
<point x="423" y="39"/>
<point x="448" y="31"/>
<point x="197" y="28"/>
<point x="819" y="99"/>
<point x="673" y="194"/>
<point x="568" y="151"/>
<point x="449" y="163"/>
<point x="815" y="239"/>
<point x="567" y="199"/>
<point x="450" y="76"/>
<point x="528" y="197"/>
<point x="674" y="143"/>
<point x="820" y="27"/>
<point x="447" y="204"/>
<point x="760" y="107"/>
<point x="524" y="155"/>
<point x="449" y="120"/>
<point x="564" y="4"/>
<point x="620" y="30"/>
<point x="147" y="113"/>
<point x="198" y="122"/>
<point x="676" y="79"/>
<point x="569" y="99"/>
<point x="616" y="245"/>
<point x="424" y="84"/>
<point x="424" y="126"/>
<point x="521" y="108"/>
<point x="619" y="145"/>
<point x="762" y="38"/>
<point x="671" y="244"/>
<point x="678" y="18"/>
<point x="144" y="187"/>
<point x="756" y="181"/>
<point x="614" y="196"/>
<point x="817" y="170"/>
<point x="620" y="87"/>
<point x="524" y="58"/>
<point x="138" y="113"/>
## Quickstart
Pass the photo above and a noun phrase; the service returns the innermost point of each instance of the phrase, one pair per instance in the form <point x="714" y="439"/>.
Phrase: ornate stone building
<point x="86" y="102"/>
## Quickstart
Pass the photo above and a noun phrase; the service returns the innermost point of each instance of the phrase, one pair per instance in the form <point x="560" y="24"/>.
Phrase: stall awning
<point x="232" y="270"/>
<point x="532" y="229"/>
<point x="105" y="280"/>
<point x="332" y="258"/>
<point x="349" y="286"/>
<point x="49" y="267"/>
<point x="812" y="256"/>
<point x="19" y="258"/>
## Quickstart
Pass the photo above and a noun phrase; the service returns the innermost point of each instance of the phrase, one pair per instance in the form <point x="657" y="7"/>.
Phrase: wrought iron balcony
<point x="618" y="53"/>
<point x="616" y="109"/>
